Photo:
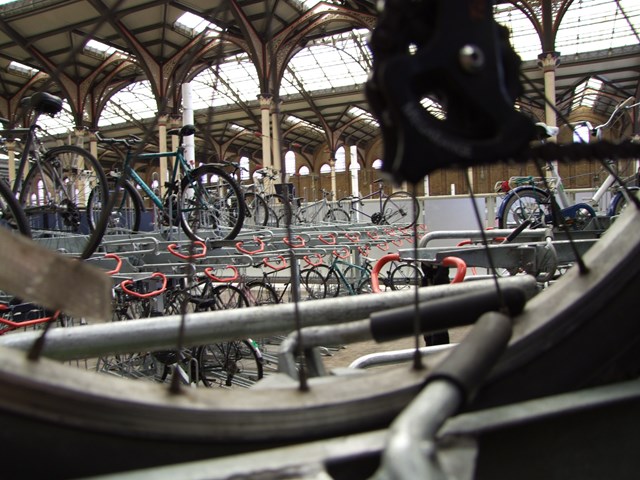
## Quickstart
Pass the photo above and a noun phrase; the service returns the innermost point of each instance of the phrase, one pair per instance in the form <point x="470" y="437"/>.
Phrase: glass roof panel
<point x="134" y="102"/>
<point x="234" y="80"/>
<point x="332" y="62"/>
<point x="592" y="25"/>
<point x="524" y="38"/>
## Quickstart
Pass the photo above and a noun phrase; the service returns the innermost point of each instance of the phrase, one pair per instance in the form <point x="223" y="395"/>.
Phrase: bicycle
<point x="257" y="211"/>
<point x="54" y="194"/>
<point x="400" y="209"/>
<point x="543" y="201"/>
<point x="318" y="212"/>
<point x="205" y="201"/>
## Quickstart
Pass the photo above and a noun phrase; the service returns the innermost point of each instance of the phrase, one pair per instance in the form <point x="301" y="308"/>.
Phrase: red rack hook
<point x="124" y="285"/>
<point x="118" y="263"/>
<point x="375" y="281"/>
<point x="208" y="272"/>
<point x="300" y="241"/>
<point x="260" y="249"/>
<point x="174" y="246"/>
<point x="276" y="267"/>
<point x="345" y="253"/>
<point x="332" y="241"/>
<point x="307" y="259"/>
<point x="461" y="267"/>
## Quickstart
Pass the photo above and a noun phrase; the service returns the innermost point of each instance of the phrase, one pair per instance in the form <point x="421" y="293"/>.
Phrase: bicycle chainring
<point x="70" y="214"/>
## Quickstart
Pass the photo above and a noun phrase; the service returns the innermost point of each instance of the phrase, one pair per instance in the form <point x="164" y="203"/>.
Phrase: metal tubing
<point x="210" y="327"/>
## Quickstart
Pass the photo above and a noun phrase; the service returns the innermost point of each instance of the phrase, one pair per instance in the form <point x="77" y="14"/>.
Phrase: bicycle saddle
<point x="43" y="102"/>
<point x="425" y="84"/>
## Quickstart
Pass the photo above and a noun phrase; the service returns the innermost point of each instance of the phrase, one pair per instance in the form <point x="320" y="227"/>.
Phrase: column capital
<point x="265" y="100"/>
<point x="163" y="119"/>
<point x="548" y="61"/>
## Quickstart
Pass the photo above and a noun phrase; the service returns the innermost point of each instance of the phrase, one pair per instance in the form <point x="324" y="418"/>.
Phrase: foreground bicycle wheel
<point x="55" y="196"/>
<point x="11" y="215"/>
<point x="211" y="205"/>
<point x="557" y="327"/>
<point x="126" y="215"/>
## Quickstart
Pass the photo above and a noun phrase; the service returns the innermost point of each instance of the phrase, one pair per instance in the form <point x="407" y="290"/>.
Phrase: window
<point x="377" y="164"/>
<point x="304" y="170"/>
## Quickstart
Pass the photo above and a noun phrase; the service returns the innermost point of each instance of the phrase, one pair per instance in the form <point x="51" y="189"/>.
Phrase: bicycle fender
<point x="513" y="192"/>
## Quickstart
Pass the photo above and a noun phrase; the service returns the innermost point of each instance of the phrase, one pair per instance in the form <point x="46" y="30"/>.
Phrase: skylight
<point x="22" y="70"/>
<point x="191" y="25"/>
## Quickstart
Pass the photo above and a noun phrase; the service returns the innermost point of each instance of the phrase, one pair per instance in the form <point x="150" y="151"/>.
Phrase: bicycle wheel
<point x="405" y="276"/>
<point x="55" y="195"/>
<point x="400" y="209"/>
<point x="261" y="293"/>
<point x="230" y="363"/>
<point x="12" y="216"/>
<point x="127" y="209"/>
<point x="236" y="363"/>
<point x="619" y="202"/>
<point x="525" y="204"/>
<point x="210" y="205"/>
<point x="256" y="213"/>
<point x="337" y="215"/>
<point x="320" y="281"/>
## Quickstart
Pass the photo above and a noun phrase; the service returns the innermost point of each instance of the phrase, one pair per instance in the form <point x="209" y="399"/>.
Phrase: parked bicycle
<point x="400" y="209"/>
<point x="532" y="198"/>
<point x="54" y="195"/>
<point x="205" y="201"/>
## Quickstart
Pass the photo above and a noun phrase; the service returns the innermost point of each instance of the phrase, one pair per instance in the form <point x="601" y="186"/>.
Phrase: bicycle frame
<point x="355" y="200"/>
<point x="180" y="164"/>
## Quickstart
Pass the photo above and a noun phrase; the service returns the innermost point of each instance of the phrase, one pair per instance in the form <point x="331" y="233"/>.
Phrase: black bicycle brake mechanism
<point x="443" y="87"/>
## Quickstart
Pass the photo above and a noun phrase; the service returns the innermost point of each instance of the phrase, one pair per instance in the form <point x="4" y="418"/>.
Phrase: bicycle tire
<point x="211" y="205"/>
<point x="400" y="209"/>
<point x="126" y="215"/>
<point x="527" y="203"/>
<point x="329" y="277"/>
<point x="227" y="361"/>
<point x="405" y="276"/>
<point x="155" y="422"/>
<point x="12" y="216"/>
<point x="58" y="217"/>
<point x="619" y="202"/>
<point x="236" y="363"/>
<point x="337" y="215"/>
<point x="261" y="293"/>
<point x="312" y="284"/>
<point x="256" y="211"/>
